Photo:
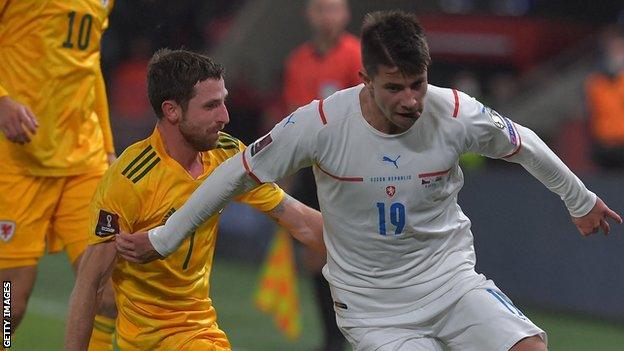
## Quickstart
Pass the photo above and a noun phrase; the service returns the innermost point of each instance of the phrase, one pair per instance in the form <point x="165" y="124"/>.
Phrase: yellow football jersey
<point x="164" y="302"/>
<point x="50" y="62"/>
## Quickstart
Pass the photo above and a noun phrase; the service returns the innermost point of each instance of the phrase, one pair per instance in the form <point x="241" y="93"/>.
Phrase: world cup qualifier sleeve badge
<point x="107" y="225"/>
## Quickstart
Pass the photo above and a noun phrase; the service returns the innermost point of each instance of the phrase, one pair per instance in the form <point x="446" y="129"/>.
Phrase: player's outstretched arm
<point x="95" y="269"/>
<point x="301" y="221"/>
<point x="542" y="163"/>
<point x="226" y="182"/>
<point x="589" y="213"/>
<point x="16" y="120"/>
<point x="281" y="152"/>
<point x="596" y="219"/>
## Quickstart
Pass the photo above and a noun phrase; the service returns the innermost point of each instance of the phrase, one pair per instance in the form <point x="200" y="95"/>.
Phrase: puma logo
<point x="394" y="162"/>
<point x="288" y="120"/>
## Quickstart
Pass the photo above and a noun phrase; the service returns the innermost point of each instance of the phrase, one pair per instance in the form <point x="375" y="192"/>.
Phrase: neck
<point x="372" y="114"/>
<point x="179" y="149"/>
<point x="323" y="43"/>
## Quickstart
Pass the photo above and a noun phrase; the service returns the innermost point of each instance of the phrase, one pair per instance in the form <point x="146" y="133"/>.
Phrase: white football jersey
<point x="396" y="238"/>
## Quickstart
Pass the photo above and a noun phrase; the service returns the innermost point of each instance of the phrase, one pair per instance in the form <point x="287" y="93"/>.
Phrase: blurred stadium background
<point x="527" y="58"/>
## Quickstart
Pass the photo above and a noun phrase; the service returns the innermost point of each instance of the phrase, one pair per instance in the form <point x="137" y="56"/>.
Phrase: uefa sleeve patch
<point x="496" y="118"/>
<point x="261" y="144"/>
<point x="107" y="225"/>
<point x="513" y="136"/>
<point x="503" y="123"/>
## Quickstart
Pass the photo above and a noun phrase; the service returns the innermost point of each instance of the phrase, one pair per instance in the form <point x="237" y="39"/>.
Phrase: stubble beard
<point x="195" y="137"/>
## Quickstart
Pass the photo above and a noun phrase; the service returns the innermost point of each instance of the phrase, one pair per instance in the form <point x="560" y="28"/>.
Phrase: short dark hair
<point x="394" y="39"/>
<point x="172" y="75"/>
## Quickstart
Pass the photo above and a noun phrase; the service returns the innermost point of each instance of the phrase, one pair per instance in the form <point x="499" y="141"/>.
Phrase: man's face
<point x="205" y="115"/>
<point x="328" y="17"/>
<point x="399" y="97"/>
<point x="615" y="55"/>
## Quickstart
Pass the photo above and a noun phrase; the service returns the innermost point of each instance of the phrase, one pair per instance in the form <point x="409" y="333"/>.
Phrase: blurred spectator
<point x="329" y="62"/>
<point x="138" y="28"/>
<point x="246" y="105"/>
<point x="468" y="82"/>
<point x="128" y="97"/>
<point x="457" y="6"/>
<point x="605" y="104"/>
<point x="131" y="114"/>
<point x="502" y="88"/>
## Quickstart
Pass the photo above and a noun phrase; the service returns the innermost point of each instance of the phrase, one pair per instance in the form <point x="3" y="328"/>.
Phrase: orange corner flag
<point x="277" y="291"/>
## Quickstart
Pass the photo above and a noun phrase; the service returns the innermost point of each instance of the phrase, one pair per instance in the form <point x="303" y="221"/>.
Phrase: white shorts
<point x="484" y="319"/>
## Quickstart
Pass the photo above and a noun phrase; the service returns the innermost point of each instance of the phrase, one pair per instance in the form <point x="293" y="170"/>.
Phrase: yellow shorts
<point x="36" y="212"/>
<point x="206" y="345"/>
<point x="210" y="338"/>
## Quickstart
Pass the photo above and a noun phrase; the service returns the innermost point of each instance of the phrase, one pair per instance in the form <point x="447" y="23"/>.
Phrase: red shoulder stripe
<point x="321" y="113"/>
<point x="246" y="165"/>
<point x="456" y="111"/>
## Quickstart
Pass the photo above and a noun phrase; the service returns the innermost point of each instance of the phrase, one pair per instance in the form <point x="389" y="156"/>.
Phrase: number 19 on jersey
<point x="396" y="215"/>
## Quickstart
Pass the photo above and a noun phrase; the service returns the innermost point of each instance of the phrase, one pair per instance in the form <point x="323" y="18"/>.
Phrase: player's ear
<point x="171" y="111"/>
<point x="366" y="79"/>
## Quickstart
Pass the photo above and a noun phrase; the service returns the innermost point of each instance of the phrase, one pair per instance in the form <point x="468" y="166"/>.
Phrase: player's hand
<point x="136" y="247"/>
<point x="596" y="219"/>
<point x="111" y="157"/>
<point x="17" y="121"/>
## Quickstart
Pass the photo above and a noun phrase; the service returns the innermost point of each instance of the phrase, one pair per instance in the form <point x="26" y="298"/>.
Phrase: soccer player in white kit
<point x="400" y="256"/>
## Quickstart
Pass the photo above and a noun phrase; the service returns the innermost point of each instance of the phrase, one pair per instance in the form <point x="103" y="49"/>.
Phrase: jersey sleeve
<point x="106" y="22"/>
<point x="3" y="6"/>
<point x="114" y="208"/>
<point x="496" y="136"/>
<point x="290" y="146"/>
<point x="487" y="132"/>
<point x="101" y="108"/>
<point x="263" y="198"/>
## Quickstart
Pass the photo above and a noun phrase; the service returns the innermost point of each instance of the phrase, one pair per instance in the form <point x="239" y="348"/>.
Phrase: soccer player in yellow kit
<point x="55" y="137"/>
<point x="165" y="305"/>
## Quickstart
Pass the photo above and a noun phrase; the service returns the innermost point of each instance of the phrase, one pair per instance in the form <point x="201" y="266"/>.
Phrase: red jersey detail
<point x="246" y="165"/>
<point x="456" y="111"/>
<point x="344" y="179"/>
<point x="433" y="174"/>
<point x="519" y="143"/>
<point x="321" y="113"/>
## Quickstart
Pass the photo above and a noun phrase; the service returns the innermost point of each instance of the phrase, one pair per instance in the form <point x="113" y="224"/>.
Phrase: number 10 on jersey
<point x="396" y="215"/>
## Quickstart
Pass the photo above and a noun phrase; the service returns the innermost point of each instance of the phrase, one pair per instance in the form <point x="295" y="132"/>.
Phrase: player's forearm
<point x="94" y="271"/>
<point x="311" y="234"/>
<point x="82" y="309"/>
<point x="537" y="158"/>
<point x="101" y="108"/>
<point x="226" y="182"/>
<point x="301" y="221"/>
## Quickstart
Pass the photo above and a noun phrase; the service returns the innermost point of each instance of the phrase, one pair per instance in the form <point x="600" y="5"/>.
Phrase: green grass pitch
<point x="232" y="287"/>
